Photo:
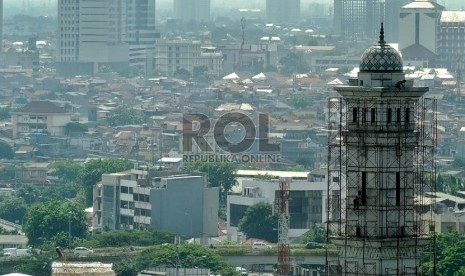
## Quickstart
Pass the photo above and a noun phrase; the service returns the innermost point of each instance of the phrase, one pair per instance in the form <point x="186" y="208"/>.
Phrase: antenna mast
<point x="283" y="227"/>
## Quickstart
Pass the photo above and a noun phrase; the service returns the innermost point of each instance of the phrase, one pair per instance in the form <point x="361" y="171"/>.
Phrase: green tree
<point x="92" y="172"/>
<point x="37" y="264"/>
<point x="317" y="234"/>
<point x="5" y="150"/>
<point x="128" y="237"/>
<point x="5" y="113"/>
<point x="66" y="171"/>
<point x="13" y="209"/>
<point x="8" y="173"/>
<point x="48" y="219"/>
<point x="190" y="255"/>
<point x="124" y="116"/>
<point x="450" y="253"/>
<point x="293" y="63"/>
<point x="220" y="174"/>
<point x="299" y="101"/>
<point x="126" y="268"/>
<point x="200" y="74"/>
<point x="75" y="127"/>
<point x="182" y="74"/>
<point x="258" y="222"/>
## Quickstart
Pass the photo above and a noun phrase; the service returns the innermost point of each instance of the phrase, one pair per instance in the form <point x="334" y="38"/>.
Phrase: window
<point x="354" y="114"/>
<point x="407" y="115"/>
<point x="373" y="115"/>
<point x="363" y="192"/>
<point x="364" y="115"/>
<point x="398" y="116"/>
<point x="397" y="188"/>
<point x="389" y="115"/>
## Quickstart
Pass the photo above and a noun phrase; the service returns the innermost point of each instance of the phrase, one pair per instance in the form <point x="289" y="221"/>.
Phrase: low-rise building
<point x="182" y="204"/>
<point x="307" y="193"/>
<point x="40" y="116"/>
<point x="173" y="55"/>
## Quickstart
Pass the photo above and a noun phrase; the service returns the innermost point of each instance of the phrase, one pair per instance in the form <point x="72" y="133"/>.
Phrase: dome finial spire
<point x="381" y="34"/>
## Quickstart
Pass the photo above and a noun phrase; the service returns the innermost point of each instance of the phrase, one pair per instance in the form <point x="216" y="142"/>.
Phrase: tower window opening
<point x="373" y="115"/>
<point x="398" y="116"/>
<point x="364" y="115"/>
<point x="389" y="115"/>
<point x="407" y="115"/>
<point x="363" y="192"/>
<point x="397" y="188"/>
<point x="354" y="114"/>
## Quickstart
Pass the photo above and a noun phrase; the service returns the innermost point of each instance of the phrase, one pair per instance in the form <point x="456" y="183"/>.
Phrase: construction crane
<point x="282" y="205"/>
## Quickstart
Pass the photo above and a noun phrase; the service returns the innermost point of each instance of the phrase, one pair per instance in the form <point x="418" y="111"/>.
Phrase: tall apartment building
<point x="451" y="40"/>
<point x="354" y="19"/>
<point x="418" y="27"/>
<point x="111" y="33"/>
<point x="172" y="55"/>
<point x="140" y="31"/>
<point x="192" y="10"/>
<point x="182" y="204"/>
<point x="279" y="11"/>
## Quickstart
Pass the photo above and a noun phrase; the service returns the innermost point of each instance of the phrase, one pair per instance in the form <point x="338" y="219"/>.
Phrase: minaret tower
<point x="385" y="148"/>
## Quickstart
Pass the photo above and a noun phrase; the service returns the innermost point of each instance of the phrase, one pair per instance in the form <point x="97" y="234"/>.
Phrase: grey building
<point x="279" y="11"/>
<point x="182" y="204"/>
<point x="192" y="10"/>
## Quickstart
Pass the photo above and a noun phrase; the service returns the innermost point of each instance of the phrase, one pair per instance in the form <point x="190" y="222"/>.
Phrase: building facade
<point x="173" y="55"/>
<point x="306" y="204"/>
<point x="40" y="116"/>
<point x="140" y="31"/>
<point x="451" y="40"/>
<point x="385" y="148"/>
<point x="178" y="203"/>
<point x="192" y="10"/>
<point x="104" y="35"/>
<point x="354" y="19"/>
<point x="418" y="26"/>
<point x="279" y="12"/>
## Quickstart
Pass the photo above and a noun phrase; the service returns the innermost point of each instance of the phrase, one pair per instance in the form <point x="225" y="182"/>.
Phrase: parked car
<point x="82" y="251"/>
<point x="314" y="245"/>
<point x="260" y="245"/>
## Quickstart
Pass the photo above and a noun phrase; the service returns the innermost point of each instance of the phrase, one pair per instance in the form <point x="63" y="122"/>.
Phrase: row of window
<point x="141" y="197"/>
<point x="371" y="113"/>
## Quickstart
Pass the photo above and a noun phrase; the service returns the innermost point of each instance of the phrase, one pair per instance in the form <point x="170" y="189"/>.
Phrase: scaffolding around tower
<point x="393" y="149"/>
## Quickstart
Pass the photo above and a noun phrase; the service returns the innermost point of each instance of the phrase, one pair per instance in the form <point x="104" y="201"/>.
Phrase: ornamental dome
<point x="381" y="57"/>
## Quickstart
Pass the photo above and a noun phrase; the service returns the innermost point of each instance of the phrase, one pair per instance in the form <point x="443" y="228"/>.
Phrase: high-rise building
<point x="1" y="32"/>
<point x="354" y="19"/>
<point x="391" y="20"/>
<point x="418" y="26"/>
<point x="192" y="10"/>
<point x="279" y="11"/>
<point x="384" y="147"/>
<point x="451" y="40"/>
<point x="91" y="34"/>
<point x="140" y="31"/>
<point x="106" y="33"/>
